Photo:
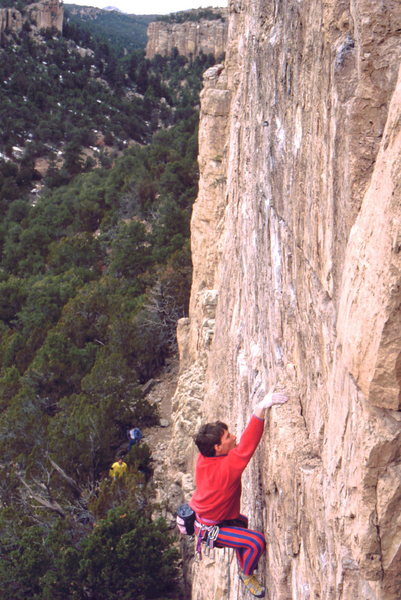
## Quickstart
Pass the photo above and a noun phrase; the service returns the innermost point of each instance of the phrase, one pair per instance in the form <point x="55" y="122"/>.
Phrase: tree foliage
<point x="119" y="30"/>
<point x="125" y="555"/>
<point x="183" y="16"/>
<point x="95" y="270"/>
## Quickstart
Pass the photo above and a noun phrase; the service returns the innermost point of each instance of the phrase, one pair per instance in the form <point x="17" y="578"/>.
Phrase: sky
<point x="150" y="7"/>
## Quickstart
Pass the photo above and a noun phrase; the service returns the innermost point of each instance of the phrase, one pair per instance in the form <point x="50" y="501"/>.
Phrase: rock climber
<point x="216" y="500"/>
<point x="118" y="468"/>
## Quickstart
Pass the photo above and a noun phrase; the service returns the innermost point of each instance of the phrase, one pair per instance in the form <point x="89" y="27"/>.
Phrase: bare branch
<point x="73" y="485"/>
<point x="46" y="503"/>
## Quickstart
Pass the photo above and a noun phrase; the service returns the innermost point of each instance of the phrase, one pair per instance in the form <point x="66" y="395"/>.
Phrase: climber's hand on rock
<point x="276" y="399"/>
<point x="271" y="399"/>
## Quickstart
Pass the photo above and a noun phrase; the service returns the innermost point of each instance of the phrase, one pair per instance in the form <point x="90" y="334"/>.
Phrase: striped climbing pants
<point x="248" y="544"/>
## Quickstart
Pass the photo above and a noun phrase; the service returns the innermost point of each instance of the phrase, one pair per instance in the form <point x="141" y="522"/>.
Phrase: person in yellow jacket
<point x="118" y="468"/>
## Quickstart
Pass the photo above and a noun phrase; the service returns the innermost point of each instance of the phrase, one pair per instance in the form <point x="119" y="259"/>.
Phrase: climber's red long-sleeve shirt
<point x="218" y="478"/>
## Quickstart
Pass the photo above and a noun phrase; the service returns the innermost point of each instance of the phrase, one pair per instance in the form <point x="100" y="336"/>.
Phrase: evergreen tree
<point x="95" y="270"/>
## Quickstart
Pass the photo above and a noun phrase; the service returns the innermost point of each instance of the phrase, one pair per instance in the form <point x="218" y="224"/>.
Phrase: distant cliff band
<point x="40" y="15"/>
<point x="190" y="38"/>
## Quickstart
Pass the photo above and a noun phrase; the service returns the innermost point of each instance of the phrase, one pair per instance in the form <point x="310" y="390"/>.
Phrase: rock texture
<point x="88" y="12"/>
<point x="41" y="15"/>
<point x="190" y="38"/>
<point x="297" y="282"/>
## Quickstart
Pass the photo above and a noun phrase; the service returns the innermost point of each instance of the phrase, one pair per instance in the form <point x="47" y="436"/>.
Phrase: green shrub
<point x="127" y="556"/>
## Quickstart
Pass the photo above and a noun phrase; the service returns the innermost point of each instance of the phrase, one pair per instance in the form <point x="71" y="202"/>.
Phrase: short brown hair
<point x="208" y="436"/>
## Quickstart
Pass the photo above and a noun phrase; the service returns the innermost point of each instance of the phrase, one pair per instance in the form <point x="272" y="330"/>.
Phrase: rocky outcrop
<point x="86" y="12"/>
<point x="190" y="38"/>
<point x="41" y="15"/>
<point x="47" y="14"/>
<point x="297" y="282"/>
<point x="10" y="20"/>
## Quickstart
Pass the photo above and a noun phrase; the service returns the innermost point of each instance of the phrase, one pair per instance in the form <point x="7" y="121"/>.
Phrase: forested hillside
<point x="183" y="16"/>
<point x="98" y="174"/>
<point x="119" y="29"/>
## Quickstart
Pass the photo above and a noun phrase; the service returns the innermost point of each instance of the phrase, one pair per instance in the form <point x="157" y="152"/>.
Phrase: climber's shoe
<point x="253" y="585"/>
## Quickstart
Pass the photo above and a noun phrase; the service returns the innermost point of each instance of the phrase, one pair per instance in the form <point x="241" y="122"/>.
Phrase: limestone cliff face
<point x="297" y="282"/>
<point x="40" y="15"/>
<point x="190" y="38"/>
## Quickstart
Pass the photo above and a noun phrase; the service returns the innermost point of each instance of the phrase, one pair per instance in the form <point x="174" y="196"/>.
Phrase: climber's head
<point x="214" y="439"/>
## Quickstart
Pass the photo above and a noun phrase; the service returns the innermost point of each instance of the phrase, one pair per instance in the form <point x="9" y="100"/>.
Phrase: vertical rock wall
<point x="40" y="15"/>
<point x="190" y="37"/>
<point x="297" y="280"/>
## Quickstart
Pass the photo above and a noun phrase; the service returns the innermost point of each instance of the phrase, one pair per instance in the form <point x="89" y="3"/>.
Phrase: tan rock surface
<point x="296" y="252"/>
<point x="40" y="15"/>
<point x="47" y="14"/>
<point x="10" y="20"/>
<point x="190" y="38"/>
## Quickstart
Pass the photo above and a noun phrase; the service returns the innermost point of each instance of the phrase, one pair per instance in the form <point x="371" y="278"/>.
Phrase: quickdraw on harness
<point x="211" y="531"/>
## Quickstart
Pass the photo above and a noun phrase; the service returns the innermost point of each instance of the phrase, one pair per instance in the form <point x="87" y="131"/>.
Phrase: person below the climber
<point x="216" y="500"/>
<point x="134" y="436"/>
<point x="118" y="469"/>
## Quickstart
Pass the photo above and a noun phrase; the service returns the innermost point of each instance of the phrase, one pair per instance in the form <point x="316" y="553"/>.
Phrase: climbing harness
<point x="212" y="536"/>
<point x="207" y="534"/>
